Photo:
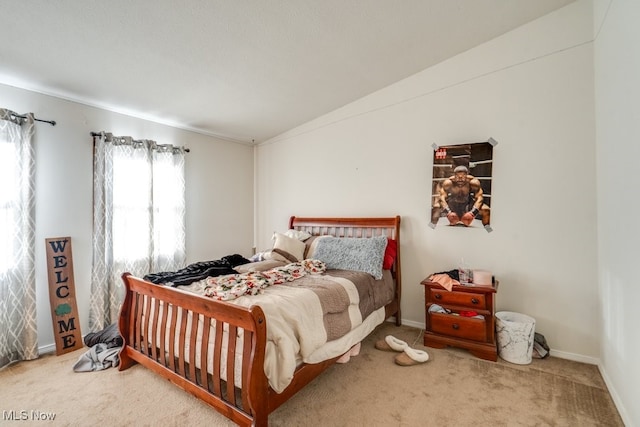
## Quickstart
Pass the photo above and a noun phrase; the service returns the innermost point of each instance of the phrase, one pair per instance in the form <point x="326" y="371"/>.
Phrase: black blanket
<point x="198" y="271"/>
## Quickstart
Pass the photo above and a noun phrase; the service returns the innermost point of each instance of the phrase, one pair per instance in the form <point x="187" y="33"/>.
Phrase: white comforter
<point x="298" y="325"/>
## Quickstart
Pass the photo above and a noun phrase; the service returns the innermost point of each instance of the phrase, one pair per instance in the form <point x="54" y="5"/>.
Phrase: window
<point x="139" y="210"/>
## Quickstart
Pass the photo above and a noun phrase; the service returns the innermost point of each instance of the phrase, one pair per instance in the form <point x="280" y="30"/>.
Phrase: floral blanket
<point x="232" y="286"/>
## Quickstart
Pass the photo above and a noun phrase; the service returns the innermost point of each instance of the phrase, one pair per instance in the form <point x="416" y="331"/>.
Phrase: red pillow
<point x="390" y="254"/>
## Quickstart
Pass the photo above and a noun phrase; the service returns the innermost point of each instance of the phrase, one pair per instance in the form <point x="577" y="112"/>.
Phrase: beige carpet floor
<point x="452" y="389"/>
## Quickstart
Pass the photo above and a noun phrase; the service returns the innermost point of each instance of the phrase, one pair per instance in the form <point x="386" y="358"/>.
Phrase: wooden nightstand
<point x="477" y="335"/>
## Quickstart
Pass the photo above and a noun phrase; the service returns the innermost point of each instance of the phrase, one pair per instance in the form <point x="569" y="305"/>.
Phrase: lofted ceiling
<point x="243" y="70"/>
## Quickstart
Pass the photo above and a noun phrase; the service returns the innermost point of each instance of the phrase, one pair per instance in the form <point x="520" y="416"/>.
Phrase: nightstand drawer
<point x="463" y="299"/>
<point x="458" y="326"/>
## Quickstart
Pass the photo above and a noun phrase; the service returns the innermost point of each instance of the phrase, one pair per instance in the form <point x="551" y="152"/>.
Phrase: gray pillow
<point x="352" y="253"/>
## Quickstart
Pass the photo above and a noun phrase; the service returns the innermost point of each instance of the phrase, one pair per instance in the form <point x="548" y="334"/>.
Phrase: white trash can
<point x="515" y="333"/>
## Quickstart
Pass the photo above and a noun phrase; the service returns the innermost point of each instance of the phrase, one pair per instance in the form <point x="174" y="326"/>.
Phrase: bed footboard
<point x="157" y="326"/>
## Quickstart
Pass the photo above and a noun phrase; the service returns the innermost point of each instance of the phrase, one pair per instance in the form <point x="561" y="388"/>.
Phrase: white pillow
<point x="288" y="249"/>
<point x="297" y="234"/>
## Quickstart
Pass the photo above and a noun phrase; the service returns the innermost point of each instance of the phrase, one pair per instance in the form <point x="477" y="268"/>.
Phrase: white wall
<point x="218" y="177"/>
<point x="531" y="90"/>
<point x="617" y="67"/>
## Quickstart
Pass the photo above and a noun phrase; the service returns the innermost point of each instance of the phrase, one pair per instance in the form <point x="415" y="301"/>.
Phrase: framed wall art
<point x="461" y="185"/>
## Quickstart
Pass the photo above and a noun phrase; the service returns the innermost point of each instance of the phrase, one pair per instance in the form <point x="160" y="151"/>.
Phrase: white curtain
<point x="138" y="217"/>
<point x="18" y="324"/>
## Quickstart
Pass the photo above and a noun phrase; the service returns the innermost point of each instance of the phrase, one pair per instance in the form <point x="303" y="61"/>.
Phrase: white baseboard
<point x="47" y="348"/>
<point x="575" y="357"/>
<point x="412" y="324"/>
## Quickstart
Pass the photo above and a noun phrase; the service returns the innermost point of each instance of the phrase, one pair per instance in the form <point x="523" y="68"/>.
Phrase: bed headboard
<point x="348" y="227"/>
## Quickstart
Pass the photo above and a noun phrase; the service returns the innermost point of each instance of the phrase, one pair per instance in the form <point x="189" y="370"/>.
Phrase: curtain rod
<point x="94" y="134"/>
<point x="51" y="122"/>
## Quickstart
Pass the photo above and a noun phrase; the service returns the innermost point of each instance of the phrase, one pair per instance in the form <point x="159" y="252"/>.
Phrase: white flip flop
<point x="395" y="343"/>
<point x="411" y="356"/>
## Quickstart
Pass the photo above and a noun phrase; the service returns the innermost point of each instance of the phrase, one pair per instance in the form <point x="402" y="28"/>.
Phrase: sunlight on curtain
<point x="8" y="199"/>
<point x="132" y="204"/>
<point x="139" y="211"/>
<point x="18" y="326"/>
<point x="168" y="210"/>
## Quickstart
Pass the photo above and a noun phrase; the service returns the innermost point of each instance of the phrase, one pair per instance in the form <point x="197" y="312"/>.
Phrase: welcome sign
<point x="62" y="295"/>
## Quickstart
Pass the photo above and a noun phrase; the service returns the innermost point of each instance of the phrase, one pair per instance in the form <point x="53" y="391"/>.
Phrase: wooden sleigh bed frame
<point x="251" y="403"/>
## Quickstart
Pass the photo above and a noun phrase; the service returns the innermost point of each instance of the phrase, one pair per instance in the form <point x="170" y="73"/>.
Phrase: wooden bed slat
<point x="172" y="337"/>
<point x="144" y="344"/>
<point x="195" y="320"/>
<point x="246" y="358"/>
<point x="231" y="364"/>
<point x="132" y="320"/>
<point x="154" y="329"/>
<point x="137" y="326"/>
<point x="217" y="358"/>
<point x="163" y="335"/>
<point x="204" y="352"/>
<point x="182" y="336"/>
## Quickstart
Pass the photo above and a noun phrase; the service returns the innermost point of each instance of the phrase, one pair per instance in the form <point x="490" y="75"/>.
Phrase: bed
<point x="220" y="357"/>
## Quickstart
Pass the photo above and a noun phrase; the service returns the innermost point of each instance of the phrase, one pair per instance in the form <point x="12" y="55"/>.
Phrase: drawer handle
<point x="438" y="296"/>
<point x="455" y="326"/>
<point x="475" y="300"/>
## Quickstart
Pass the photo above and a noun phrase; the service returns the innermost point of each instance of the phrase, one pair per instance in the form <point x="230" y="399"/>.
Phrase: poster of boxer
<point x="461" y="185"/>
